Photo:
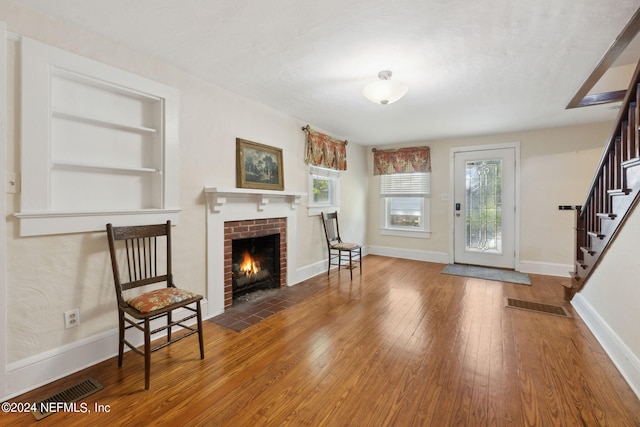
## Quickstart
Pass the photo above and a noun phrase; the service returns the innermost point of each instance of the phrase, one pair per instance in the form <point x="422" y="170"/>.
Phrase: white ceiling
<point x="473" y="67"/>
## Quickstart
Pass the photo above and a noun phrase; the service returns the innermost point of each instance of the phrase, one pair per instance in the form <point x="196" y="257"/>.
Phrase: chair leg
<point x="329" y="263"/>
<point x="360" y="260"/>
<point x="169" y="327"/>
<point x="350" y="265"/>
<point x="120" y="337"/>
<point x="200" y="331"/>
<point x="339" y="260"/>
<point x="147" y="353"/>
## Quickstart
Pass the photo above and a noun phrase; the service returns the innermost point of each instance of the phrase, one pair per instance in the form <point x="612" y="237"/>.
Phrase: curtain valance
<point x="325" y="151"/>
<point x="402" y="160"/>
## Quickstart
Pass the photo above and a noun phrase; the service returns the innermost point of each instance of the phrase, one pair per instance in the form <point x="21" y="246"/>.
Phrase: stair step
<point x="595" y="234"/>
<point x="581" y="264"/>
<point x="588" y="250"/>
<point x="619" y="192"/>
<point x="631" y="163"/>
<point x="607" y="215"/>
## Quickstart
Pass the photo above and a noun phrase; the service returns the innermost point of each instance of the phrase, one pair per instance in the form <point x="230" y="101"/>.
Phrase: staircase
<point x="614" y="191"/>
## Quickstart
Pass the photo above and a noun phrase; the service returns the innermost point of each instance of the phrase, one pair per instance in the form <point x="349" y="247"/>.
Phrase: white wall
<point x="51" y="274"/>
<point x="609" y="302"/>
<point x="556" y="168"/>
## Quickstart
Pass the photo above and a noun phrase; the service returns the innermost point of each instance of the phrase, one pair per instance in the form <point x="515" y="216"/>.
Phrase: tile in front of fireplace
<point x="241" y="316"/>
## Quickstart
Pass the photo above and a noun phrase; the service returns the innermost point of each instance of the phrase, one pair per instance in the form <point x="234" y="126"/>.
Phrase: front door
<point x="484" y="207"/>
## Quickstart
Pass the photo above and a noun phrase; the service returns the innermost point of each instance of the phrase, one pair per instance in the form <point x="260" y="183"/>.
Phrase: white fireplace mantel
<point x="239" y="204"/>
<point x="218" y="197"/>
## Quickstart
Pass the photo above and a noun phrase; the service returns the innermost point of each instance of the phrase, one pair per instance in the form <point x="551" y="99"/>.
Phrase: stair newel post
<point x="580" y="235"/>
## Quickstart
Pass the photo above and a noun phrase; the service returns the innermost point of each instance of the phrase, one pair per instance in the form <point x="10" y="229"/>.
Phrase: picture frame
<point x="258" y="166"/>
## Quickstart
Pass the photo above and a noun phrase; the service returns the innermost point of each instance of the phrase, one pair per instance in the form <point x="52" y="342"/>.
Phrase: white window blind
<point x="405" y="185"/>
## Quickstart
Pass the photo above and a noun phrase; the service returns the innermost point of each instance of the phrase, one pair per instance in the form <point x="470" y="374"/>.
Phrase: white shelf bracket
<point x="217" y="202"/>
<point x="263" y="200"/>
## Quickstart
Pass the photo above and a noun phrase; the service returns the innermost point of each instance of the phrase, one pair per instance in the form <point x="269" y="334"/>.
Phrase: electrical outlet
<point x="71" y="318"/>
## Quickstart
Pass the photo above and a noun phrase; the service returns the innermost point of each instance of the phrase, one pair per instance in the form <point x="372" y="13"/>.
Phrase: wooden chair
<point x="340" y="252"/>
<point x="140" y="251"/>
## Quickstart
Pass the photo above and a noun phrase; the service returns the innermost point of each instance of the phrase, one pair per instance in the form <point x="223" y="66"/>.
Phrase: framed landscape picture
<point x="258" y="166"/>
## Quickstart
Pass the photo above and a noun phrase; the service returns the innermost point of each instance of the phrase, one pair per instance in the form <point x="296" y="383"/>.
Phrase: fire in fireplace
<point x="255" y="264"/>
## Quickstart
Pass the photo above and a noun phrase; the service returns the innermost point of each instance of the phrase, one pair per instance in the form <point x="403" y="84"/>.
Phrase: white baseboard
<point x="546" y="268"/>
<point x="35" y="371"/>
<point x="309" y="271"/>
<point x="437" y="257"/>
<point x="627" y="363"/>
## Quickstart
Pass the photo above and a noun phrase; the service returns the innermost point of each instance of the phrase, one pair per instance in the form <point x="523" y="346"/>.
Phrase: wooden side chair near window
<point x="142" y="255"/>
<point x="340" y="253"/>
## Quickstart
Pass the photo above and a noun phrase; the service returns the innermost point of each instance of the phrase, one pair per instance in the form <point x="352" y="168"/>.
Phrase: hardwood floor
<point x="402" y="345"/>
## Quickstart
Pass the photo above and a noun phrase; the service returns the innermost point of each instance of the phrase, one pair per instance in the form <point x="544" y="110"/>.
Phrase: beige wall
<point x="51" y="274"/>
<point x="612" y="292"/>
<point x="556" y="167"/>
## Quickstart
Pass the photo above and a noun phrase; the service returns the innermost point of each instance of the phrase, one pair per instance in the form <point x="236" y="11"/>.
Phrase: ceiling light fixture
<point x="385" y="91"/>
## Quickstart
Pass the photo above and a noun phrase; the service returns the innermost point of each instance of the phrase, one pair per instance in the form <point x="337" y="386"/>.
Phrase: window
<point x="405" y="204"/>
<point x="98" y="145"/>
<point x="324" y="190"/>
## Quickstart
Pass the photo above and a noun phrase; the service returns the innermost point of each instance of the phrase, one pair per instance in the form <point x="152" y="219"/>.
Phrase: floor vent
<point x="65" y="400"/>
<point x="556" y="310"/>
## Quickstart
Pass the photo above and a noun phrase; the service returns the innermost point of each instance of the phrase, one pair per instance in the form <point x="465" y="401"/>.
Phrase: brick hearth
<point x="248" y="229"/>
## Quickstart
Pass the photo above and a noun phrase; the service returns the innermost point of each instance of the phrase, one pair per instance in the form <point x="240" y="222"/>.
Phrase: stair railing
<point x="613" y="192"/>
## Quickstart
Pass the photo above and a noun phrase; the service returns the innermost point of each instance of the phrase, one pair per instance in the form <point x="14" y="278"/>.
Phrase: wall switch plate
<point x="12" y="184"/>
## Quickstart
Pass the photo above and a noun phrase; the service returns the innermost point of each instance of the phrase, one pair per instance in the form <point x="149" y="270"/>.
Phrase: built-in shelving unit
<point x="96" y="139"/>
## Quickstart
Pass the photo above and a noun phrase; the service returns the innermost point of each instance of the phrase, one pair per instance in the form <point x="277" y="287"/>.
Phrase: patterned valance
<point x="324" y="151"/>
<point x="402" y="160"/>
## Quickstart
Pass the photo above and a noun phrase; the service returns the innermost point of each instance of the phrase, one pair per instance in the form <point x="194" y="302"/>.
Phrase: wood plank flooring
<point x="401" y="345"/>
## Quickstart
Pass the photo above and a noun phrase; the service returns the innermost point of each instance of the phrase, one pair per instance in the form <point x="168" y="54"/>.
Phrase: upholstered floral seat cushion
<point x="345" y="246"/>
<point x="160" y="298"/>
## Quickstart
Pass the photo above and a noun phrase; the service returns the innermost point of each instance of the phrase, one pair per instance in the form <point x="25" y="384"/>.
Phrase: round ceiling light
<point x="385" y="91"/>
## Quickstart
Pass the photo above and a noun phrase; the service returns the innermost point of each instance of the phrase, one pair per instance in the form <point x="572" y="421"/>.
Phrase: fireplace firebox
<point x="254" y="229"/>
<point x="255" y="264"/>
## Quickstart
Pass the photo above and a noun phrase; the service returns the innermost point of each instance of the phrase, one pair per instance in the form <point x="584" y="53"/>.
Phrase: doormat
<point x="488" y="273"/>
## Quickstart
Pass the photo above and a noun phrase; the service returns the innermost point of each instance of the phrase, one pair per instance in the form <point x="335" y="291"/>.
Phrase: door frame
<point x="516" y="231"/>
<point x="3" y="215"/>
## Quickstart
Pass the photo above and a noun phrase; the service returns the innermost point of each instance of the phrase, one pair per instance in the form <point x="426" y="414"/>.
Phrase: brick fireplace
<point x="247" y="213"/>
<point x="247" y="229"/>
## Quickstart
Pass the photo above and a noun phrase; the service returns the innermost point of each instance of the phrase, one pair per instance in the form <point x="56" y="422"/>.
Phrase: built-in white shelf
<point x="220" y="196"/>
<point x="100" y="122"/>
<point x="99" y="145"/>
<point x="97" y="166"/>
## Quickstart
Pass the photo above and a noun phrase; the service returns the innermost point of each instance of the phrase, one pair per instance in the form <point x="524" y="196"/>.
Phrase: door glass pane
<point x="484" y="206"/>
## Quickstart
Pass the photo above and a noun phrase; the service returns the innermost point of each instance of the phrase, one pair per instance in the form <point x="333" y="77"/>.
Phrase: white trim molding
<point x="417" y="255"/>
<point x="546" y="268"/>
<point x="621" y="356"/>
<point x="3" y="214"/>
<point x="516" y="146"/>
<point x="35" y="371"/>
<point x="236" y="204"/>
